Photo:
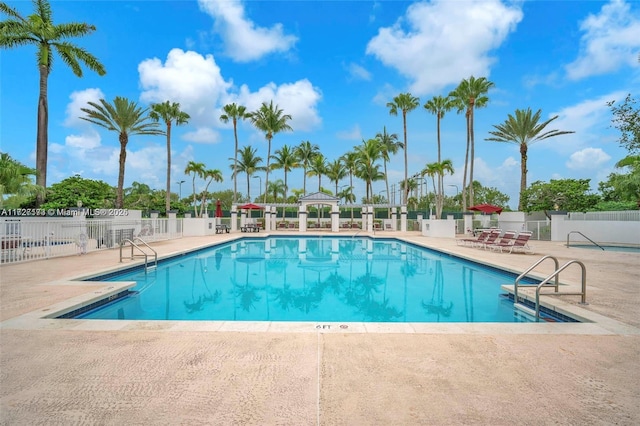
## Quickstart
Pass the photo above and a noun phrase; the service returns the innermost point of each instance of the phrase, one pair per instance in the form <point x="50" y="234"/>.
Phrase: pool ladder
<point x="141" y="250"/>
<point x="546" y="283"/>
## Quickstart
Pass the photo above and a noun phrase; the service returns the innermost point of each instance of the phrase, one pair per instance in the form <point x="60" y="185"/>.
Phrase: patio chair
<point x="521" y="243"/>
<point x="471" y="241"/>
<point x="506" y="240"/>
<point x="491" y="238"/>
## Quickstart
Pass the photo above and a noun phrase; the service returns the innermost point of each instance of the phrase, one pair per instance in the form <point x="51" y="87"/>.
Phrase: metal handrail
<point x="578" y="232"/>
<point x="145" y="254"/>
<point x="583" y="293"/>
<point x="531" y="268"/>
<point x="155" y="253"/>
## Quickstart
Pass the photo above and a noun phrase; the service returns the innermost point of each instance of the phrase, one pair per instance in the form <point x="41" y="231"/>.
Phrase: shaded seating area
<point x="220" y="229"/>
<point x="250" y="227"/>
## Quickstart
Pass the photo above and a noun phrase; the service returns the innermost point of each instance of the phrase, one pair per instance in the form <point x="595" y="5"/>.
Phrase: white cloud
<point x="588" y="159"/>
<point x="202" y="135"/>
<point x="244" y="40"/>
<point x="587" y="119"/>
<point x="441" y="35"/>
<point x="196" y="82"/>
<point x="610" y="41"/>
<point x="353" y="134"/>
<point x="193" y="80"/>
<point x="80" y="99"/>
<point x="358" y="72"/>
<point x="297" y="99"/>
<point x="90" y="140"/>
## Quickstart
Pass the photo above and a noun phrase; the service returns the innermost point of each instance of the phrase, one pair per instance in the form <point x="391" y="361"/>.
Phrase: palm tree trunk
<point x="304" y="181"/>
<point x="123" y="158"/>
<point x="42" y="137"/>
<point x="472" y="159"/>
<point x="248" y="188"/>
<point x="168" y="194"/>
<point x="406" y="162"/>
<point x="466" y="164"/>
<point x="193" y="182"/>
<point x="523" y="172"/>
<point x="266" y="183"/>
<point x="235" y="162"/>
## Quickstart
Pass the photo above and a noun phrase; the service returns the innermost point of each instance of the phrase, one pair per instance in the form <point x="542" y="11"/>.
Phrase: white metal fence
<point x="627" y="215"/>
<point x="24" y="239"/>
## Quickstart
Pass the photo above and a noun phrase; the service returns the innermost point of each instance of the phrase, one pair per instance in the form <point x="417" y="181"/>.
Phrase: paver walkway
<point x="497" y="374"/>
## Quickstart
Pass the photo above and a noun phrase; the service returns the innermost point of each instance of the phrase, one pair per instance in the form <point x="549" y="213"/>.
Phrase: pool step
<point x="525" y="309"/>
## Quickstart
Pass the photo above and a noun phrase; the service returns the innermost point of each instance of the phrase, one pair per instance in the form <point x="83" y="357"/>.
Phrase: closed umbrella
<point x="218" y="208"/>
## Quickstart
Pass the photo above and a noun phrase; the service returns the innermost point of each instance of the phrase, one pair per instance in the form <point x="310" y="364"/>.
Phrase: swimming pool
<point x="314" y="279"/>
<point x="626" y="249"/>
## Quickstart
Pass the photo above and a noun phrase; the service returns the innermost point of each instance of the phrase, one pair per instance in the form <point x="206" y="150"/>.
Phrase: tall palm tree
<point x="234" y="112"/>
<point x="404" y="102"/>
<point x="211" y="175"/>
<point x="126" y="118"/>
<point x="350" y="161"/>
<point x="369" y="152"/>
<point x="271" y="120"/>
<point x="285" y="159"/>
<point x="469" y="95"/>
<point x="524" y="129"/>
<point x="248" y="163"/>
<point x="318" y="167"/>
<point x="439" y="169"/>
<point x="305" y="153"/>
<point x="198" y="170"/>
<point x="336" y="172"/>
<point x="389" y="144"/>
<point x="168" y="113"/>
<point x="39" y="30"/>
<point x="439" y="105"/>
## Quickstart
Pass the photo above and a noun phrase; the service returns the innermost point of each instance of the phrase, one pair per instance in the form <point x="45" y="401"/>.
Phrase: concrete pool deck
<point x="74" y="371"/>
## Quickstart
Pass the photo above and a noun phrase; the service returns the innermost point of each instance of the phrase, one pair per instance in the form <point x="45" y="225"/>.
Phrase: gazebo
<point x="318" y="198"/>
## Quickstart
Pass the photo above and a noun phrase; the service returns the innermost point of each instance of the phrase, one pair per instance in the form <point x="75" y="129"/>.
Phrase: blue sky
<point x="333" y="66"/>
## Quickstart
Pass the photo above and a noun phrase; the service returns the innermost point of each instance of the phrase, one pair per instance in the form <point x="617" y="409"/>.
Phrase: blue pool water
<point x="314" y="279"/>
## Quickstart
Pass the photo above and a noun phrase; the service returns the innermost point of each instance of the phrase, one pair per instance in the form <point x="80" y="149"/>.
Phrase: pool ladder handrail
<point x="144" y="253"/>
<point x="578" y="232"/>
<point x="545" y="283"/>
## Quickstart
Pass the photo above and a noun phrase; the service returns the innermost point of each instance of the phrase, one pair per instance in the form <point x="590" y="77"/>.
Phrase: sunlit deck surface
<point x="123" y="372"/>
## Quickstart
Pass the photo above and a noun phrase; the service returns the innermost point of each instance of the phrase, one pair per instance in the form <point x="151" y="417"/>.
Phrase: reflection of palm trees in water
<point x="362" y="296"/>
<point x="437" y="306"/>
<point x="204" y="298"/>
<point x="247" y="293"/>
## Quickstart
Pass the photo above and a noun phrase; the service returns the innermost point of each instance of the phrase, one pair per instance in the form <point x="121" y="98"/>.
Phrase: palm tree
<point x="285" y="159"/>
<point x="318" y="167"/>
<point x="388" y="145"/>
<point x="305" y="153"/>
<point x="15" y="179"/>
<point x="350" y="161"/>
<point x="211" y="174"/>
<point x="234" y="112"/>
<point x="336" y="172"/>
<point x="276" y="188"/>
<point x="368" y="153"/>
<point x="126" y="118"/>
<point x="271" y="120"/>
<point x="198" y="170"/>
<point x="168" y="112"/>
<point x="438" y="168"/>
<point x="439" y="105"/>
<point x="39" y="30"/>
<point x="524" y="129"/>
<point x="470" y="94"/>
<point x="249" y="164"/>
<point x="404" y="102"/>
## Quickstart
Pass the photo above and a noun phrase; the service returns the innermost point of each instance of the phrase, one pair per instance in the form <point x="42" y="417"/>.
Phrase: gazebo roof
<point x="319" y="196"/>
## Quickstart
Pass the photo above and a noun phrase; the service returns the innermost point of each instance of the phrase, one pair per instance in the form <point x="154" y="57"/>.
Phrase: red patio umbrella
<point x="218" y="208"/>
<point x="251" y="206"/>
<point x="486" y="208"/>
